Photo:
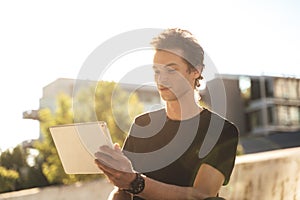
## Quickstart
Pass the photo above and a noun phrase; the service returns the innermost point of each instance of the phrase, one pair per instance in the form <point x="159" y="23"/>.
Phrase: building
<point x="222" y="95"/>
<point x="266" y="109"/>
<point x="273" y="105"/>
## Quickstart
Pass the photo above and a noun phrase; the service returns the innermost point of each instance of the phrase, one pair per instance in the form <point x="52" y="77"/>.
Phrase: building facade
<point x="273" y="105"/>
<point x="266" y="109"/>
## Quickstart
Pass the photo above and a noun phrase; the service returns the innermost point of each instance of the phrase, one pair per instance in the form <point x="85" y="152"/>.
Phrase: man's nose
<point x="162" y="78"/>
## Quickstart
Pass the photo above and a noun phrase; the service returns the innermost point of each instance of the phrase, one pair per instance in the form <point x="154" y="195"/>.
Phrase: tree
<point x="16" y="172"/>
<point x="108" y="102"/>
<point x="8" y="179"/>
<point x="103" y="102"/>
<point x="48" y="156"/>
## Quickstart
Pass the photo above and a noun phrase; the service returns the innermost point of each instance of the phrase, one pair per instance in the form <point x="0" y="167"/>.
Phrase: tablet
<point x="77" y="143"/>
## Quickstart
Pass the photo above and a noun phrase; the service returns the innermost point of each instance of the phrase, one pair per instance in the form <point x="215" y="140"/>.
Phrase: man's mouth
<point x="162" y="88"/>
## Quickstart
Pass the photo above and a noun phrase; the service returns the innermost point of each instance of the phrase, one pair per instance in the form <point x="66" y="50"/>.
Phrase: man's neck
<point x="182" y="109"/>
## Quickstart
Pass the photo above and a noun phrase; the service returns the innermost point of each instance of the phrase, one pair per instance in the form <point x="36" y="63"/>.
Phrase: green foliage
<point x="108" y="102"/>
<point x="48" y="156"/>
<point x="13" y="159"/>
<point x="117" y="108"/>
<point x="18" y="174"/>
<point x="240" y="150"/>
<point x="105" y="102"/>
<point x="8" y="179"/>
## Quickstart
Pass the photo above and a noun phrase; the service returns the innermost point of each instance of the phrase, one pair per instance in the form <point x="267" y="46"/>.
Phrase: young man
<point x="162" y="157"/>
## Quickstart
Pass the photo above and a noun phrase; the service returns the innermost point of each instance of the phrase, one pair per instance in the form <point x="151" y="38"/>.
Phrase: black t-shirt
<point x="172" y="151"/>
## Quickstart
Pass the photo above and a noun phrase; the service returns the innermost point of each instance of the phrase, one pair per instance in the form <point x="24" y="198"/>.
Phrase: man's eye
<point x="156" y="71"/>
<point x="171" y="70"/>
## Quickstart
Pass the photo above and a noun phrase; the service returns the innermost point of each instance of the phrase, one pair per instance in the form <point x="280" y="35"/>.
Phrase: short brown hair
<point x="175" y="38"/>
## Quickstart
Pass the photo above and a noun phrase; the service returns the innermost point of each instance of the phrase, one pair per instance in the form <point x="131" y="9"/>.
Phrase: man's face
<point x="172" y="76"/>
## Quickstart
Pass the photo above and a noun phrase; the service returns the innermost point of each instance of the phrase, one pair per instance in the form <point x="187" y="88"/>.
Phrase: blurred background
<point x="252" y="49"/>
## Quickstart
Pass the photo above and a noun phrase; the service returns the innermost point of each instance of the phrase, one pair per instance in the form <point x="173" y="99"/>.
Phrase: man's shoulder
<point x="219" y="119"/>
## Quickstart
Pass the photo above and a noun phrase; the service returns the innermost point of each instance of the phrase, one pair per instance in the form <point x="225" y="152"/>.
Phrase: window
<point x="270" y="112"/>
<point x="294" y="115"/>
<point x="288" y="115"/>
<point x="291" y="88"/>
<point x="255" y="119"/>
<point x="286" y="88"/>
<point x="269" y="87"/>
<point x="255" y="89"/>
<point x="279" y="88"/>
<point x="298" y="89"/>
<point x="283" y="115"/>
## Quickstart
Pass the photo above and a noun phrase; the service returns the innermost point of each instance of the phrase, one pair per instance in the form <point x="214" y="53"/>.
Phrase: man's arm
<point x="209" y="180"/>
<point x="207" y="183"/>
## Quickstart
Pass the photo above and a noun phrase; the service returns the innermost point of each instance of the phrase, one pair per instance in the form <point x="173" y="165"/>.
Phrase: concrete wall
<point x="96" y="190"/>
<point x="273" y="175"/>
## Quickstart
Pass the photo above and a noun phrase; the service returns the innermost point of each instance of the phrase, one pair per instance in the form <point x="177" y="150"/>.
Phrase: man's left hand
<point x="115" y="165"/>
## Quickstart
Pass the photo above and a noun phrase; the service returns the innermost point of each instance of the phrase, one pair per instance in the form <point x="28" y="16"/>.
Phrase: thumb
<point x="117" y="147"/>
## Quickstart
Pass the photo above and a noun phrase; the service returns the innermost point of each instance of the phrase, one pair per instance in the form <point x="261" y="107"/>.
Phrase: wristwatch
<point x="137" y="185"/>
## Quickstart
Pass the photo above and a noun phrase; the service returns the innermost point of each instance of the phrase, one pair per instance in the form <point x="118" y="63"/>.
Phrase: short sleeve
<point x="128" y="144"/>
<point x="222" y="156"/>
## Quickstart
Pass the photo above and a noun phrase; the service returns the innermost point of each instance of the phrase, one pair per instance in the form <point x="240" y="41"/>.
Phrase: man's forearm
<point x="158" y="190"/>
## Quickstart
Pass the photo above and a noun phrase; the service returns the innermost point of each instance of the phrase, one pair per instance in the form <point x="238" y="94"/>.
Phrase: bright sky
<point x="41" y="41"/>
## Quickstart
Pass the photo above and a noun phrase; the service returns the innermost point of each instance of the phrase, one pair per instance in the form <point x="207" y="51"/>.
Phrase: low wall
<point x="273" y="175"/>
<point x="95" y="190"/>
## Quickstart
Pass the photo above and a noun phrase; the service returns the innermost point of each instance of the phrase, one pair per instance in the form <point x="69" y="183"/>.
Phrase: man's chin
<point x="168" y="98"/>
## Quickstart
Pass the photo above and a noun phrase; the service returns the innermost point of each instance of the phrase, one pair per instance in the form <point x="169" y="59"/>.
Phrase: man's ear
<point x="198" y="71"/>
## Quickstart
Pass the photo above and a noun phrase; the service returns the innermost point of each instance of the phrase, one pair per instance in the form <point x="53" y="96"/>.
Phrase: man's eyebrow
<point x="167" y="65"/>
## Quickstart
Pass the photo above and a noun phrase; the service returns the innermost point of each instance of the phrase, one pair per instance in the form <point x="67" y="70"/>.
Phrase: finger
<point x="103" y="167"/>
<point x="109" y="161"/>
<point x="103" y="155"/>
<point x="105" y="159"/>
<point x="112" y="155"/>
<point x="104" y="148"/>
<point x="107" y="149"/>
<point x="107" y="170"/>
<point x="117" y="177"/>
<point x="115" y="153"/>
<point x="117" y="147"/>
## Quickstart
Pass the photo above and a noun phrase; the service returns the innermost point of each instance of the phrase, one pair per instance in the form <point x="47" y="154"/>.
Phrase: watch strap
<point x="137" y="185"/>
